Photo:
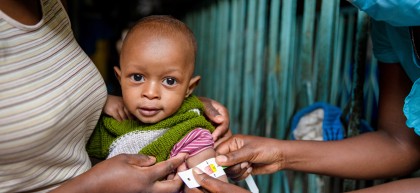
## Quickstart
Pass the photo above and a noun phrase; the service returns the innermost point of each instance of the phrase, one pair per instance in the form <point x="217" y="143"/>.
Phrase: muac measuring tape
<point x="211" y="168"/>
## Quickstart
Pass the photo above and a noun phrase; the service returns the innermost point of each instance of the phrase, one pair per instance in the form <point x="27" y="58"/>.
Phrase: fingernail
<point x="221" y="158"/>
<point x="244" y="165"/>
<point x="197" y="171"/>
<point x="249" y="170"/>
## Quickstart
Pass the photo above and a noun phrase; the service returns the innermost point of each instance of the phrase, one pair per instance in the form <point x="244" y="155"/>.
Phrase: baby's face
<point x="155" y="76"/>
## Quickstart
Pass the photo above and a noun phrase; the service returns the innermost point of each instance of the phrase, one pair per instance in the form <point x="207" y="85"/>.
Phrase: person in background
<point x="393" y="150"/>
<point x="51" y="97"/>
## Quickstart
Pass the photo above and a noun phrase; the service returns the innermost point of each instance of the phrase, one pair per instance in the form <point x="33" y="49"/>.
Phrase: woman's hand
<point x="127" y="173"/>
<point x="115" y="108"/>
<point x="219" y="115"/>
<point x="249" y="154"/>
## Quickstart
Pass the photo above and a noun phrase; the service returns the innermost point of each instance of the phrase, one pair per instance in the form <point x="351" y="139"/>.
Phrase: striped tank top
<point x="51" y="97"/>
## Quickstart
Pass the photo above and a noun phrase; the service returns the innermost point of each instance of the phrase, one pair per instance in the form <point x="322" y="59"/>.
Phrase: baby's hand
<point x="115" y="108"/>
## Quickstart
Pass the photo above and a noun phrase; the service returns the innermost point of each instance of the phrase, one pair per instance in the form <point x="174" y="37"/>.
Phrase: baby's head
<point x="156" y="67"/>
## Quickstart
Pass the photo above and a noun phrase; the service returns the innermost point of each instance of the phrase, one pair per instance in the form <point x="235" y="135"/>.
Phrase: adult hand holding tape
<point x="205" y="175"/>
<point x="214" y="185"/>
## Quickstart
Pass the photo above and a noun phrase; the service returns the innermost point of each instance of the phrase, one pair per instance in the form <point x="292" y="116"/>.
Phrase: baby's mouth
<point x="148" y="112"/>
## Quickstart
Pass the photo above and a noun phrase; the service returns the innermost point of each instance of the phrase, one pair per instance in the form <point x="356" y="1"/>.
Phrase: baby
<point x="156" y="77"/>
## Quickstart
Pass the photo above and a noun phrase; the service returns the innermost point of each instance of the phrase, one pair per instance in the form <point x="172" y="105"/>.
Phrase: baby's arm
<point x="198" y="145"/>
<point x="203" y="156"/>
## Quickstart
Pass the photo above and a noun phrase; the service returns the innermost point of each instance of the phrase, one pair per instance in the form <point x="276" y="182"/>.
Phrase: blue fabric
<point x="393" y="44"/>
<point x="390" y="31"/>
<point x="332" y="128"/>
<point x="394" y="12"/>
<point x="412" y="107"/>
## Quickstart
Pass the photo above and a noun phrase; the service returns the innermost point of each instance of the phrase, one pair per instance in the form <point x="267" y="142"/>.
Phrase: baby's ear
<point x="193" y="83"/>
<point x="117" y="73"/>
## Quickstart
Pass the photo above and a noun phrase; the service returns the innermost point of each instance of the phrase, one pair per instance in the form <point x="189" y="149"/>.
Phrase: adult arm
<point x="393" y="150"/>
<point x="405" y="185"/>
<point x="126" y="173"/>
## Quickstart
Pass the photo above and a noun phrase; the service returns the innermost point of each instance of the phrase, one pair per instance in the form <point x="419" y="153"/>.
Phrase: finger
<point x="139" y="159"/>
<point x="182" y="167"/>
<point x="232" y="151"/>
<point x="227" y="146"/>
<point x="116" y="116"/>
<point x="233" y="158"/>
<point x="173" y="185"/>
<point x="166" y="167"/>
<point x="170" y="177"/>
<point x="222" y="117"/>
<point x="215" y="185"/>
<point x="210" y="110"/>
<point x="238" y="170"/>
<point x="243" y="175"/>
<point x="206" y="181"/>
<point x="221" y="132"/>
<point x="217" y="114"/>
<point x="222" y="127"/>
<point x="122" y="115"/>
<point x="192" y="190"/>
<point x="222" y="139"/>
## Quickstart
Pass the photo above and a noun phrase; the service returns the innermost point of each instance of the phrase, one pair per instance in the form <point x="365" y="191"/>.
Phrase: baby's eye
<point x="137" y="77"/>
<point x="169" y="81"/>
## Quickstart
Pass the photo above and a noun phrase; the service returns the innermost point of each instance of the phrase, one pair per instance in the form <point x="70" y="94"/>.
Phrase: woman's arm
<point x="393" y="150"/>
<point x="126" y="173"/>
<point x="405" y="185"/>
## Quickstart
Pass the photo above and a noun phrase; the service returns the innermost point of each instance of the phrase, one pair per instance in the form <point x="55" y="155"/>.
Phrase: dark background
<point x="98" y="25"/>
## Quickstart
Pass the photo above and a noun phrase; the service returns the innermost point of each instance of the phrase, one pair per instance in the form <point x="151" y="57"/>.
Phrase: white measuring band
<point x="212" y="169"/>
<point x="251" y="184"/>
<point x="209" y="167"/>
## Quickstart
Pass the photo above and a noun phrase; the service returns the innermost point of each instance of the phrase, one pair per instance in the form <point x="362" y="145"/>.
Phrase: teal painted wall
<point x="264" y="60"/>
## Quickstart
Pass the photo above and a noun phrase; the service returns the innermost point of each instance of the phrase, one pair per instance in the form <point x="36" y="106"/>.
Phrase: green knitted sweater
<point x="179" y="124"/>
